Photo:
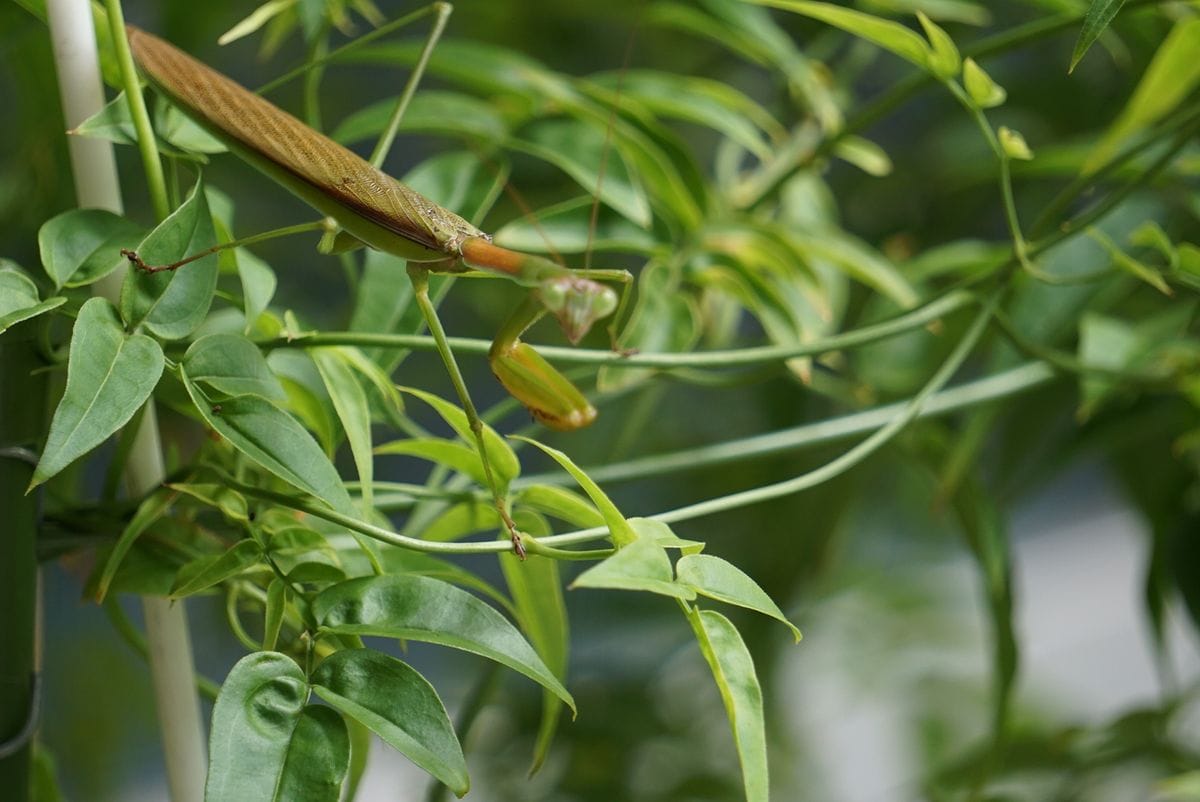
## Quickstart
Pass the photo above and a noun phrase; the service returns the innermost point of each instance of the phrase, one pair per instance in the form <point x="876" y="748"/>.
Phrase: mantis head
<point x="577" y="303"/>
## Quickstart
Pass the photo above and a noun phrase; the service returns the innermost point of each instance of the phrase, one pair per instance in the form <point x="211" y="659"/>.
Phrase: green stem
<point x="147" y="144"/>
<point x="442" y="14"/>
<point x="918" y="318"/>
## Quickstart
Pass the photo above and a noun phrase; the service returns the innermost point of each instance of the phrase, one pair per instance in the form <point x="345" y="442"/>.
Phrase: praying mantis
<point x="374" y="209"/>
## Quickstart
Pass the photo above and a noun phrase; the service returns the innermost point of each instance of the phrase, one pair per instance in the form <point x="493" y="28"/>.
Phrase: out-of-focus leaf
<point x="1014" y="144"/>
<point x="944" y="59"/>
<point x="579" y="150"/>
<point x="109" y="376"/>
<point x="665" y="320"/>
<point x="1099" y="15"/>
<point x="460" y="520"/>
<point x="891" y="36"/>
<point x="567" y="228"/>
<point x="231" y="503"/>
<point x="1170" y="78"/>
<point x="203" y="573"/>
<point x="148" y="512"/>
<point x="424" y="609"/>
<point x="1135" y="268"/>
<point x="721" y="580"/>
<point x="429" y="112"/>
<point x="985" y="92"/>
<point x="255" y="20"/>
<point x="399" y="705"/>
<point x="733" y="669"/>
<point x="864" y="154"/>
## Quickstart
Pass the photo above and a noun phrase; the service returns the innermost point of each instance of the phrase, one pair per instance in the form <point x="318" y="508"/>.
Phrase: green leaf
<point x="258" y="285"/>
<point x="231" y="503"/>
<point x="641" y="565"/>
<point x="19" y="298"/>
<point x="83" y="245"/>
<point x="703" y="101"/>
<point x="567" y="227"/>
<point x="231" y="365"/>
<point x="504" y="461"/>
<point x="424" y="609"/>
<point x="429" y="112"/>
<point x="1098" y="16"/>
<point x="181" y="131"/>
<point x="558" y="502"/>
<point x="256" y="726"/>
<point x="173" y="303"/>
<point x="306" y="393"/>
<point x="350" y="402"/>
<point x="541" y="612"/>
<point x="205" y="572"/>
<point x="579" y="149"/>
<point x="1169" y="80"/>
<point x="618" y="527"/>
<point x="1133" y="267"/>
<point x="109" y="376"/>
<point x="891" y="36"/>
<point x="944" y="59"/>
<point x="864" y="154"/>
<point x="273" y="439"/>
<point x="148" y="512"/>
<point x="276" y="604"/>
<point x="733" y="669"/>
<point x="723" y="581"/>
<point x="461" y="458"/>
<point x="318" y="757"/>
<point x="257" y="18"/>
<point x="399" y="705"/>
<point x="983" y="91"/>
<point x="461" y="520"/>
<point x="397" y="561"/>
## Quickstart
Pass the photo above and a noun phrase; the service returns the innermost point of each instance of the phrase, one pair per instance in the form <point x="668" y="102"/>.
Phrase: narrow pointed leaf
<point x="1099" y="15"/>
<point x="277" y="596"/>
<point x="149" y="511"/>
<point x="399" y="705"/>
<point x="424" y="609"/>
<point x="204" y="573"/>
<point x="721" y="580"/>
<point x="891" y="36"/>
<point x="459" y="457"/>
<point x="558" y="502"/>
<point x="109" y="377"/>
<point x="504" y="462"/>
<point x="733" y="669"/>
<point x="354" y="411"/>
<point x="618" y="527"/>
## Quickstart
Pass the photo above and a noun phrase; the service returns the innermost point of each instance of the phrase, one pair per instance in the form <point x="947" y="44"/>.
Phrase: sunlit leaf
<point x="641" y="565"/>
<point x="721" y="580"/>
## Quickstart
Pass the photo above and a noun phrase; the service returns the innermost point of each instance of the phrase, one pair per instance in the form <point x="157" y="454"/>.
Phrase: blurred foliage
<point x="772" y="179"/>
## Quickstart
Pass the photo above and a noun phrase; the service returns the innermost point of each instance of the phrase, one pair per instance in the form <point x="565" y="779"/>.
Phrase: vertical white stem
<point x="96" y="186"/>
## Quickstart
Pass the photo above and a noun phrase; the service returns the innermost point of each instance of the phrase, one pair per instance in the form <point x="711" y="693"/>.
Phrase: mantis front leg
<point x="419" y="275"/>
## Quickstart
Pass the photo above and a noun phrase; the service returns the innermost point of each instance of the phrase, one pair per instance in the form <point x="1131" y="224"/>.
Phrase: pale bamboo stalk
<point x="96" y="186"/>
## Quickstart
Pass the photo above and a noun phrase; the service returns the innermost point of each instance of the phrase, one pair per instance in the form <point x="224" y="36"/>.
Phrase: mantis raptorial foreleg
<point x="374" y="209"/>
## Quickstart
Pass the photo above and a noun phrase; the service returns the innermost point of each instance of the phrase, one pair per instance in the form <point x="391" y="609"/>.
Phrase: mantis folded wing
<point x="378" y="210"/>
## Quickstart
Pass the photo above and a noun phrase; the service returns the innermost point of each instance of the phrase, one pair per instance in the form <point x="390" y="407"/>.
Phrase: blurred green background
<point x="887" y="698"/>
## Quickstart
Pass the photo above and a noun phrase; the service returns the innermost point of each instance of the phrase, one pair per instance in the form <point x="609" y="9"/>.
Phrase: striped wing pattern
<point x="258" y="125"/>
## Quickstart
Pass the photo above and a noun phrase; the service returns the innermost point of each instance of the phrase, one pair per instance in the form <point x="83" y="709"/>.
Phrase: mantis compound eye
<point x="577" y="303"/>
